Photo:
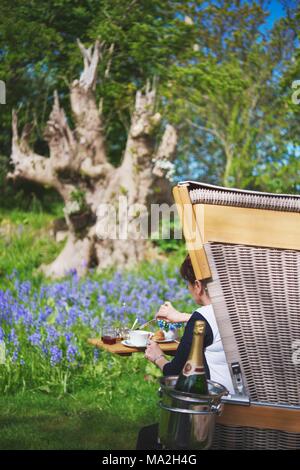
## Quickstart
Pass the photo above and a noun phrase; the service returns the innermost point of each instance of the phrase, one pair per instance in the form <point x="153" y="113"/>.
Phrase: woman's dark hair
<point x="187" y="271"/>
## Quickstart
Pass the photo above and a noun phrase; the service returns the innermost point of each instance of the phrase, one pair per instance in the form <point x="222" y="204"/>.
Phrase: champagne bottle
<point x="192" y="379"/>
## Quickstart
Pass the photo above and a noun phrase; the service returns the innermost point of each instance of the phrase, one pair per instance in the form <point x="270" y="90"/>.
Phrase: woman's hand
<point x="168" y="313"/>
<point x="153" y="351"/>
<point x="154" y="354"/>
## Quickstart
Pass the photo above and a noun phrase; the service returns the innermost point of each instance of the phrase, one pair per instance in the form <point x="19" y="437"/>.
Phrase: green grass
<point x="26" y="242"/>
<point x="34" y="220"/>
<point x="94" y="418"/>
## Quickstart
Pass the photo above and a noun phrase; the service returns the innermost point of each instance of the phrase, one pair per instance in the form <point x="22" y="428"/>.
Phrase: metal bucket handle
<point x="214" y="410"/>
<point x="192" y="398"/>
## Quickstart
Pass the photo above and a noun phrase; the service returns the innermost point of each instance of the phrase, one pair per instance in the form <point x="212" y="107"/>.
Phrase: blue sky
<point x="276" y="11"/>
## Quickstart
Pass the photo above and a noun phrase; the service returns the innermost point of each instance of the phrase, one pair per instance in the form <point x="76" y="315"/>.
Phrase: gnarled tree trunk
<point x="78" y="168"/>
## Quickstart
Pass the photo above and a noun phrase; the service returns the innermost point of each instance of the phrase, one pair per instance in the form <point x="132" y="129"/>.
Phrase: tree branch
<point x="33" y="167"/>
<point x="208" y="130"/>
<point x="140" y="145"/>
<point x="60" y="138"/>
<point x="165" y="153"/>
<point x="89" y="128"/>
<point x="91" y="56"/>
<point x="27" y="164"/>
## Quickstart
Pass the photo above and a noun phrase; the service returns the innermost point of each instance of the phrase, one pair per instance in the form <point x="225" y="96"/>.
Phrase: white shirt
<point x="214" y="354"/>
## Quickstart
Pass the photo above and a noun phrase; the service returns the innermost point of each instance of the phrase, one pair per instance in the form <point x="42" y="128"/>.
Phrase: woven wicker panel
<point x="261" y="297"/>
<point x="243" y="438"/>
<point x="287" y="203"/>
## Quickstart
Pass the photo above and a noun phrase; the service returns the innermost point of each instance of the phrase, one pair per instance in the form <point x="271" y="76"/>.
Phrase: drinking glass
<point x="109" y="335"/>
<point x="123" y="333"/>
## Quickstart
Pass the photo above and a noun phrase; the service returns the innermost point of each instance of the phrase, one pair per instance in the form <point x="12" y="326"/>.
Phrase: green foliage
<point x="25" y="241"/>
<point x="79" y="197"/>
<point x="165" y="238"/>
<point x="230" y="95"/>
<point x="223" y="74"/>
<point x="41" y="55"/>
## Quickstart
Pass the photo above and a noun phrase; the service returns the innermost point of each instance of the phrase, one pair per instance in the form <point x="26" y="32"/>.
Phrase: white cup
<point x="138" y="338"/>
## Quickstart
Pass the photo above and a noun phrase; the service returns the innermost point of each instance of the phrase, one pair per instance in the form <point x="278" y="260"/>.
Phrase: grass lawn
<point x="85" y="420"/>
<point x="25" y="242"/>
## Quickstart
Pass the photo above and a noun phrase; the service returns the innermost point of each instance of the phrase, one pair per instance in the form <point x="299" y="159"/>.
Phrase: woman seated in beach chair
<point x="214" y="357"/>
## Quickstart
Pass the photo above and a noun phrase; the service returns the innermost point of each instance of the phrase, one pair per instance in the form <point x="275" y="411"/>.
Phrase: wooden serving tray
<point x="119" y="348"/>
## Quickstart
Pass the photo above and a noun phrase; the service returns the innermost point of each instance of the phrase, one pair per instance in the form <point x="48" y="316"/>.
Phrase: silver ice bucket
<point x="187" y="421"/>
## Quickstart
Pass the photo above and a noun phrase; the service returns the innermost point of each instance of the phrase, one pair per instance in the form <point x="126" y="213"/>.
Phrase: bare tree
<point x="79" y="169"/>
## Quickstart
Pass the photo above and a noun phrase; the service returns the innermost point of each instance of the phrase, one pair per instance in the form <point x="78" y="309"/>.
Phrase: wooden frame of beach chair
<point x="247" y="245"/>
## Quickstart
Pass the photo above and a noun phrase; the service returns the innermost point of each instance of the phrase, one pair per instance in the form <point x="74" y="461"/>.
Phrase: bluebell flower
<point x="102" y="299"/>
<point x="35" y="339"/>
<point x="68" y="336"/>
<point x="15" y="356"/>
<point x="2" y="334"/>
<point x="96" y="354"/>
<point x="72" y="351"/>
<point x="55" y="355"/>
<point x="94" y="322"/>
<point x="52" y="334"/>
<point x="12" y="337"/>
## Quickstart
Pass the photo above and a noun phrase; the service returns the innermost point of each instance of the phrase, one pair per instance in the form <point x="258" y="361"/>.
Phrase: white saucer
<point x="130" y="345"/>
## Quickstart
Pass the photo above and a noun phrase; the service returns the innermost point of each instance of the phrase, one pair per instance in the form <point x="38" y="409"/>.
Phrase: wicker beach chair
<point x="248" y="245"/>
